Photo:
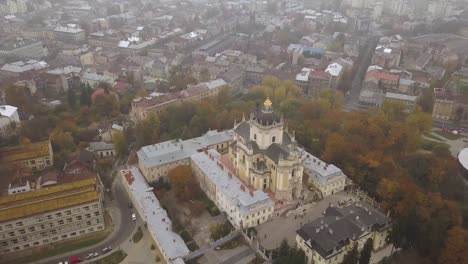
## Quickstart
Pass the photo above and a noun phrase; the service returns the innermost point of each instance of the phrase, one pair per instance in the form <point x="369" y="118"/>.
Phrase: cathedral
<point x="265" y="155"/>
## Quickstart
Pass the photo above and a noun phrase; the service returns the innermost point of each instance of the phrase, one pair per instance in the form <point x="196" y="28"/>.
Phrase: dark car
<point x="130" y="205"/>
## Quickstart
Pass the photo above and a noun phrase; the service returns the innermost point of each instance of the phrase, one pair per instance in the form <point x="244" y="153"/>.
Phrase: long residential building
<point x="49" y="215"/>
<point x="142" y="107"/>
<point x="158" y="223"/>
<point x="24" y="49"/>
<point x="244" y="207"/>
<point x="328" y="239"/>
<point x="155" y="161"/>
<point x="36" y="156"/>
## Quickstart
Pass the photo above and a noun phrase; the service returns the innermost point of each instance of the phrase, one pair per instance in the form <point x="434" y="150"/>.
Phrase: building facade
<point x="244" y="208"/>
<point x="265" y="156"/>
<point x="327" y="178"/>
<point x="328" y="239"/>
<point x="36" y="156"/>
<point x="44" y="216"/>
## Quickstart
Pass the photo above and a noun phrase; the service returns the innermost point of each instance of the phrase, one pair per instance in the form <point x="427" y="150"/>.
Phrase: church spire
<point x="268" y="104"/>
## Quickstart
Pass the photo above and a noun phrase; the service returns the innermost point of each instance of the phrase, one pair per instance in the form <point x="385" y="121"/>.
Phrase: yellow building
<point x="266" y="156"/>
<point x="36" y="156"/>
<point x="49" y="215"/>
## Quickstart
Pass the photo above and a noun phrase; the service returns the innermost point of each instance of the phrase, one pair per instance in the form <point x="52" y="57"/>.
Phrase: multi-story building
<point x="327" y="178"/>
<point x="157" y="222"/>
<point x="36" y="156"/>
<point x="49" y="215"/>
<point x="328" y="239"/>
<point x="265" y="156"/>
<point x="23" y="49"/>
<point x="9" y="119"/>
<point x="143" y="107"/>
<point x="409" y="101"/>
<point x="17" y="68"/>
<point x="155" y="161"/>
<point x="444" y="104"/>
<point x="387" y="57"/>
<point x="244" y="207"/>
<point x="70" y="34"/>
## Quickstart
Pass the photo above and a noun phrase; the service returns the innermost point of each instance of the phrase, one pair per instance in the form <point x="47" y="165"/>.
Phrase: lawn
<point x="113" y="258"/>
<point x="430" y="145"/>
<point x="447" y="135"/>
<point x="61" y="248"/>
<point x="137" y="236"/>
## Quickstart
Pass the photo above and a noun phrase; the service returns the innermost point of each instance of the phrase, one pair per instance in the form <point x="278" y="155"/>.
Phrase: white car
<point x="92" y="255"/>
<point x="104" y="250"/>
<point x="134" y="217"/>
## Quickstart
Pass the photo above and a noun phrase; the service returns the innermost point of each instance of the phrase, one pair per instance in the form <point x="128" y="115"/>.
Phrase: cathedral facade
<point x="265" y="155"/>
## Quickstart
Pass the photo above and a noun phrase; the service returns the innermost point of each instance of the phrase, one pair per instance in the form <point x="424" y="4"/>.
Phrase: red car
<point x="74" y="260"/>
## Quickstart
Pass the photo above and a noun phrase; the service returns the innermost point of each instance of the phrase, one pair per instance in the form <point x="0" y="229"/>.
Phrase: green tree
<point x="146" y="131"/>
<point x="85" y="95"/>
<point x="120" y="143"/>
<point x="71" y="97"/>
<point x="366" y="252"/>
<point x="352" y="257"/>
<point x="181" y="76"/>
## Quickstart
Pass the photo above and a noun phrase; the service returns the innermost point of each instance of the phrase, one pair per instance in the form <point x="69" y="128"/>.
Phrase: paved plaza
<point x="270" y="234"/>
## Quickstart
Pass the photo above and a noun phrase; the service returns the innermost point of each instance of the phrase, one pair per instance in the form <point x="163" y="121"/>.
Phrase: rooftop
<point x="334" y="69"/>
<point x="324" y="171"/>
<point x="25" y="152"/>
<point x="98" y="146"/>
<point x="404" y="97"/>
<point x="158" y="222"/>
<point x="175" y="150"/>
<point x="65" y="70"/>
<point x="70" y="28"/>
<point x="7" y="110"/>
<point x="20" y="66"/>
<point x="228" y="184"/>
<point x="48" y="199"/>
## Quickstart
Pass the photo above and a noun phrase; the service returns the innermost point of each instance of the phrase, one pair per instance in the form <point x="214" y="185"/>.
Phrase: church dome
<point x="266" y="116"/>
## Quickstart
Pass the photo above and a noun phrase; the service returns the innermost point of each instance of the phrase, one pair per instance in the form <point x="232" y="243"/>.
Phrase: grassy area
<point x="447" y="135"/>
<point x="60" y="248"/>
<point x="137" y="236"/>
<point x="113" y="258"/>
<point x="430" y="145"/>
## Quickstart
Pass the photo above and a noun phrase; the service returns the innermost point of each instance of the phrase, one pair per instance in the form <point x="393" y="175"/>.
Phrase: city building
<point x="36" y="156"/>
<point x="9" y="119"/>
<point x="155" y="161"/>
<point x="444" y="104"/>
<point x="326" y="178"/>
<point x="23" y="49"/>
<point x="17" y="68"/>
<point x="102" y="150"/>
<point x="50" y="215"/>
<point x="386" y="57"/>
<point x="157" y="222"/>
<point x="265" y="156"/>
<point x="143" y="107"/>
<point x="328" y="239"/>
<point x="70" y="33"/>
<point x="409" y="101"/>
<point x="244" y="208"/>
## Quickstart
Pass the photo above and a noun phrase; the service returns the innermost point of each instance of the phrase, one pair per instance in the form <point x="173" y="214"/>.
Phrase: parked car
<point x="130" y="205"/>
<point x="74" y="260"/>
<point x="92" y="255"/>
<point x="133" y="216"/>
<point x="104" y="250"/>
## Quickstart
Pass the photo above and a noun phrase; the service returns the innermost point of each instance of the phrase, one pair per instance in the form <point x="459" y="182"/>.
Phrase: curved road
<point x="123" y="227"/>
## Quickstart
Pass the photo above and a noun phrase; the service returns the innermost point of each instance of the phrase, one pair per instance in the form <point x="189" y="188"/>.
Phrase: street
<point x="352" y="97"/>
<point x="123" y="227"/>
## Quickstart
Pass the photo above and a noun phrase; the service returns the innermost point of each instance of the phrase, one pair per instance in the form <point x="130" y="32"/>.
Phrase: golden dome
<point x="267" y="103"/>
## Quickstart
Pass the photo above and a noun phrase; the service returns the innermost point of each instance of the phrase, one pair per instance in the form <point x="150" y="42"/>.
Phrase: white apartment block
<point x="155" y="161"/>
<point x="244" y="208"/>
<point x="327" y="178"/>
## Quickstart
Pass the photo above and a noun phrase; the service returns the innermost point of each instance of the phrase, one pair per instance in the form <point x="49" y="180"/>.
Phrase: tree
<point x="352" y="257"/>
<point x="120" y="143"/>
<point x="204" y="75"/>
<point x="71" y="97"/>
<point x="455" y="248"/>
<point x="181" y="76"/>
<point x="218" y="231"/>
<point x="85" y="95"/>
<point x="183" y="182"/>
<point x="283" y="252"/>
<point x="366" y="252"/>
<point x="146" y="131"/>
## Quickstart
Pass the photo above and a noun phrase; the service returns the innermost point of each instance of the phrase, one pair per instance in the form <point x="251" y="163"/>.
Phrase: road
<point x="123" y="226"/>
<point x="352" y="97"/>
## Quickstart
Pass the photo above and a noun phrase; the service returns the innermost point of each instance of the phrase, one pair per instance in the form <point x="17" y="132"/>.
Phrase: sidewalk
<point x="141" y="252"/>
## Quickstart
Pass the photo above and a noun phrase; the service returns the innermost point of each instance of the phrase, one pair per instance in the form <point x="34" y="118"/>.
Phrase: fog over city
<point x="234" y="131"/>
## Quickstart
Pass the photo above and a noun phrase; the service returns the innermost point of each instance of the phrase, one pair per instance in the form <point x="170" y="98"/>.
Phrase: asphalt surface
<point x="238" y="257"/>
<point x="123" y="228"/>
<point x="352" y="97"/>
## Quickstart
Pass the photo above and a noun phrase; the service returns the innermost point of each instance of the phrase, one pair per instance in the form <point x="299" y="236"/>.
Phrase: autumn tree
<point x="71" y="97"/>
<point x="455" y="247"/>
<point x="184" y="183"/>
<point x="146" y="131"/>
<point x="180" y="77"/>
<point x="120" y="143"/>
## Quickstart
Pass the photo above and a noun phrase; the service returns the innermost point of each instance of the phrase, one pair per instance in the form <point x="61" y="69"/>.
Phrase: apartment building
<point x="244" y="207"/>
<point x="36" y="156"/>
<point x="70" y="33"/>
<point x="155" y="161"/>
<point x="49" y="215"/>
<point x="328" y="239"/>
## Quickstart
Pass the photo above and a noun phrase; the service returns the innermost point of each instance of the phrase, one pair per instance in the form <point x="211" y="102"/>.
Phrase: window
<point x="21" y="231"/>
<point x="43" y="234"/>
<point x="88" y="215"/>
<point x="36" y="243"/>
<point x="45" y="241"/>
<point x="273" y="139"/>
<point x="96" y="205"/>
<point x="58" y="214"/>
<point x="54" y="238"/>
<point x="73" y="234"/>
<point x="68" y="212"/>
<point x="255" y="136"/>
<point x="96" y="213"/>
<point x="86" y="208"/>
<point x="79" y="217"/>
<point x="69" y="220"/>
<point x="8" y="226"/>
<point x="32" y="162"/>
<point x="53" y="232"/>
<point x="49" y="217"/>
<point x="19" y="223"/>
<point x="42" y="226"/>
<point x="60" y="222"/>
<point x="64" y="236"/>
<point x="12" y="234"/>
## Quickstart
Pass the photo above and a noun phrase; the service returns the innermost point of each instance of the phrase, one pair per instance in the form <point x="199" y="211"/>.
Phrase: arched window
<point x="255" y="136"/>
<point x="273" y="139"/>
